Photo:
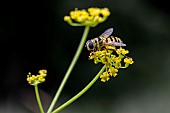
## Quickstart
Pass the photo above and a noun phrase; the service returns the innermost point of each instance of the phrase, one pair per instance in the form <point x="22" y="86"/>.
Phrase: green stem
<point x="80" y="93"/>
<point x="38" y="98"/>
<point x="76" y="56"/>
<point x="76" y="24"/>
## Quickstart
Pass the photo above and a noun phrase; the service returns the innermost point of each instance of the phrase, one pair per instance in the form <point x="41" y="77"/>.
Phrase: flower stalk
<point x="35" y="80"/>
<point x="76" y="56"/>
<point x="89" y="18"/>
<point x="81" y="92"/>
<point x="38" y="98"/>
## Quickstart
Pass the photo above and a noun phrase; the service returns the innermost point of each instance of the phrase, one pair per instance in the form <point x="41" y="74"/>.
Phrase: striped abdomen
<point x="113" y="41"/>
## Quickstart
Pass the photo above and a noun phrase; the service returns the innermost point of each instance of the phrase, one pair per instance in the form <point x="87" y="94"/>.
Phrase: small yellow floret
<point x="113" y="71"/>
<point x="94" y="11"/>
<point x="128" y="60"/>
<point x="105" y="77"/>
<point x="36" y="79"/>
<point x="122" y="51"/>
<point x="105" y="12"/>
<point x="67" y="18"/>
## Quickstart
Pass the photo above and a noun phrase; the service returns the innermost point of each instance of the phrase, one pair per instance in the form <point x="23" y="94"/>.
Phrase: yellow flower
<point x="67" y="18"/>
<point x="111" y="60"/>
<point x="43" y="72"/>
<point x="105" y="76"/>
<point x="113" y="71"/>
<point x="122" y="51"/>
<point x="128" y="60"/>
<point x="73" y="15"/>
<point x="117" y="62"/>
<point x="94" y="11"/>
<point x="36" y="79"/>
<point x="105" y="12"/>
<point x="90" y="17"/>
<point x="111" y="47"/>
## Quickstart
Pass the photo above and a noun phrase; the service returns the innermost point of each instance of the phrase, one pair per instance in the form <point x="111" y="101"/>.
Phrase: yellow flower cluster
<point x="36" y="79"/>
<point x="90" y="17"/>
<point x="112" y="61"/>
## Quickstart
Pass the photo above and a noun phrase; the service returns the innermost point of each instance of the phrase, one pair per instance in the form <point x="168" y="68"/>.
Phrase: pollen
<point x="37" y="79"/>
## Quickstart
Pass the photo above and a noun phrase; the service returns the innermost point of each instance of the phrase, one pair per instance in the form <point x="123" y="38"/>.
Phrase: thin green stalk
<point x="38" y="98"/>
<point x="76" y="56"/>
<point x="80" y="93"/>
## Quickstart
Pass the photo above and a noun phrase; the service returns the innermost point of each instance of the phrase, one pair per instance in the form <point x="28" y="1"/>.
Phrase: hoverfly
<point x="105" y="39"/>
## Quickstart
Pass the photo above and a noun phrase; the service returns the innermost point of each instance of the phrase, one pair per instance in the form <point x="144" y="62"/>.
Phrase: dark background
<point x="34" y="36"/>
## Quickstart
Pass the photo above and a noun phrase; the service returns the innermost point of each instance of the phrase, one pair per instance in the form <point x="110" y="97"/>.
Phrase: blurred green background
<point x="34" y="36"/>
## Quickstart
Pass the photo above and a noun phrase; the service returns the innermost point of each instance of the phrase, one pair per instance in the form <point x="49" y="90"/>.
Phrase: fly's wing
<point x="115" y="44"/>
<point x="107" y="33"/>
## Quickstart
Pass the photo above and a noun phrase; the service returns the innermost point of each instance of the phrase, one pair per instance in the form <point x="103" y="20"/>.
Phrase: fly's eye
<point x="90" y="44"/>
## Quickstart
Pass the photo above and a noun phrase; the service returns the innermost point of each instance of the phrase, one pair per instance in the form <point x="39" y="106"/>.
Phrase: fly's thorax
<point x="99" y="43"/>
<point x="98" y="40"/>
